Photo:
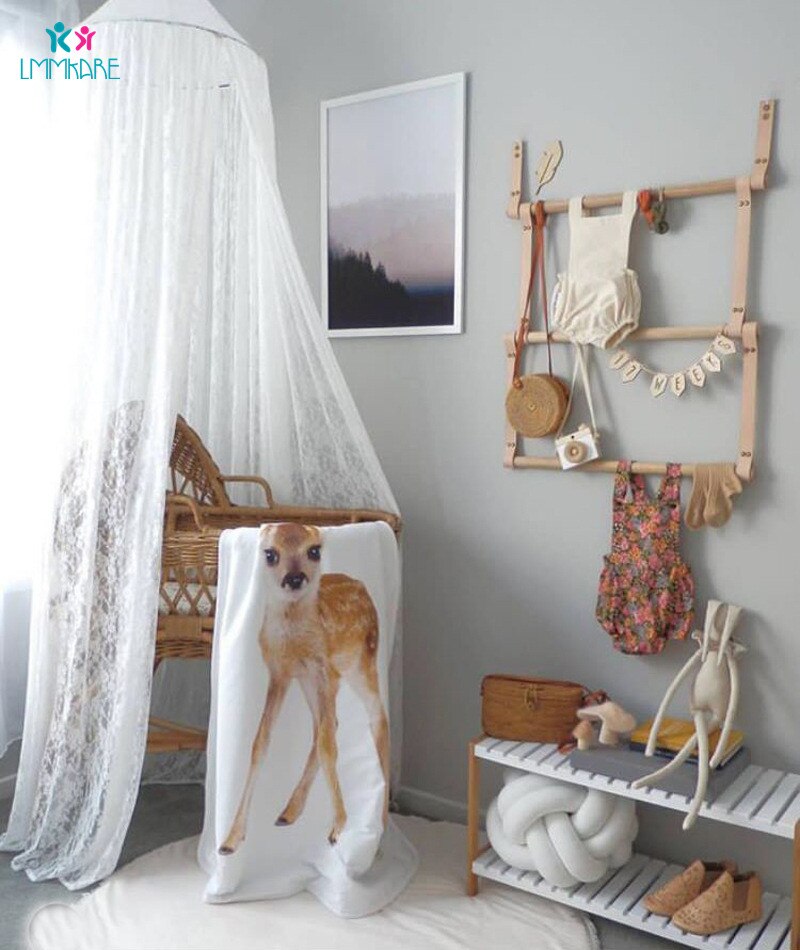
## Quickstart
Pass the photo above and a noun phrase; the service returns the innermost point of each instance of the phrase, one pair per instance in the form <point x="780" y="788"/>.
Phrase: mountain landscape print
<point x="393" y="191"/>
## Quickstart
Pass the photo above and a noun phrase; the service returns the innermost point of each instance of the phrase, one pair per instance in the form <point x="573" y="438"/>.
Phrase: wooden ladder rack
<point x="737" y="326"/>
<point x="721" y="186"/>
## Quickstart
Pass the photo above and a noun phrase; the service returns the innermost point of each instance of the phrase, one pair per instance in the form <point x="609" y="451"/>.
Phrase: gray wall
<point x="501" y="567"/>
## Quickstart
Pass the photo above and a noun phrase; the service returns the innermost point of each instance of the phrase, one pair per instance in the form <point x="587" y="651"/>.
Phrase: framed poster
<point x="393" y="209"/>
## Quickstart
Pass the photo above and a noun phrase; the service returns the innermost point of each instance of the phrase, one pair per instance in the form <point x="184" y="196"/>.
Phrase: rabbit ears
<point x="721" y="619"/>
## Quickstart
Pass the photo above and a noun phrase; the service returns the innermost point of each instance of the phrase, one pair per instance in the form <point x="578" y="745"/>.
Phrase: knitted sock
<point x="713" y="487"/>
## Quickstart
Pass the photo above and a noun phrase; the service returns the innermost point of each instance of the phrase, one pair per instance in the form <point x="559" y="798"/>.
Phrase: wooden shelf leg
<point x="795" y="941"/>
<point x="473" y="817"/>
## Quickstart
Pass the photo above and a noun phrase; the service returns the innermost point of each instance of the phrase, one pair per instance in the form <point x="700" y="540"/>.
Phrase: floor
<point x="163" y="814"/>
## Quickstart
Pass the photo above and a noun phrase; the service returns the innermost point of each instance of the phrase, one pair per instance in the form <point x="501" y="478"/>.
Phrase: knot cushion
<point x="566" y="833"/>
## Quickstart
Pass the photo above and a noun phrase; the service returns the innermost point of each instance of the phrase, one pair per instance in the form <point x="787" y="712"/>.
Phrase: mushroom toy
<point x="584" y="735"/>
<point x="615" y="722"/>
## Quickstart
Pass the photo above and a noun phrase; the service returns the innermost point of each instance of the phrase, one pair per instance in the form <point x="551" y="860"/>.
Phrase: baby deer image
<point x="318" y="629"/>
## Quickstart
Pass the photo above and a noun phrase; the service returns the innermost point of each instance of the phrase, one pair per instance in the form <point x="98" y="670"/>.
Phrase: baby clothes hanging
<point x="713" y="488"/>
<point x="598" y="300"/>
<point x="646" y="593"/>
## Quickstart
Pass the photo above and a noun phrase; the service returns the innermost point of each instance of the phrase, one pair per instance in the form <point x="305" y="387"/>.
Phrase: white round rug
<point x="155" y="903"/>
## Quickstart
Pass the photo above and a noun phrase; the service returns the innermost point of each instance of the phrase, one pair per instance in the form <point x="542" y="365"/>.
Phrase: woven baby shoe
<point x="684" y="888"/>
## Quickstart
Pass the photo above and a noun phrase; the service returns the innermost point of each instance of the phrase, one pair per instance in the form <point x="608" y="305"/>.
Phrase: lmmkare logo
<point x="69" y="67"/>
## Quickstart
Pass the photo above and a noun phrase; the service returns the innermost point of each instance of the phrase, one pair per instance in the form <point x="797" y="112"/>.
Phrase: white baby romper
<point x="597" y="300"/>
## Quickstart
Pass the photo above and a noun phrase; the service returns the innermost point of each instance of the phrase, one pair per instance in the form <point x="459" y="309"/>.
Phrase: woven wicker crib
<point x="197" y="509"/>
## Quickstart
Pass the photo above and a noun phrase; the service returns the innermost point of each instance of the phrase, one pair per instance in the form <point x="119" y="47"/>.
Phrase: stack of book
<point x="628" y="762"/>
<point x="675" y="733"/>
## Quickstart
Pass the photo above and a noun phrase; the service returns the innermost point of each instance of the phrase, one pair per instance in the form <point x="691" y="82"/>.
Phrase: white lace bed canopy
<point x="197" y="13"/>
<point x="192" y="299"/>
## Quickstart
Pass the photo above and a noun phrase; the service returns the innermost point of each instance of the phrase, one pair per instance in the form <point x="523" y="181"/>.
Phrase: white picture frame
<point x="382" y="154"/>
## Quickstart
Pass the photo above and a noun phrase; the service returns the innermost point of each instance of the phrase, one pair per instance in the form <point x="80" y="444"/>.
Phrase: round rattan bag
<point x="536" y="404"/>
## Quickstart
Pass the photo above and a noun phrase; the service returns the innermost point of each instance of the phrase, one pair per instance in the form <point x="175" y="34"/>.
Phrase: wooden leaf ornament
<point x="659" y="384"/>
<point x="711" y="362"/>
<point x="631" y="371"/>
<point x="619" y="359"/>
<point x="547" y="166"/>
<point x="724" y="345"/>
<point x="677" y="383"/>
<point x="697" y="375"/>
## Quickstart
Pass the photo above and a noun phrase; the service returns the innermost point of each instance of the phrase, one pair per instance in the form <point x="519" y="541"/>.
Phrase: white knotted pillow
<point x="567" y="833"/>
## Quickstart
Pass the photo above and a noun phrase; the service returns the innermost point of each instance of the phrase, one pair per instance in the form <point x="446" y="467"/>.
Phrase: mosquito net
<point x="185" y="295"/>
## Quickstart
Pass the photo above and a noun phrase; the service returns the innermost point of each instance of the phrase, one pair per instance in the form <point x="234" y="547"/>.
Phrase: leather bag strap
<point x="532" y="260"/>
<point x="514" y="346"/>
<point x="526" y="286"/>
<point x="539" y="222"/>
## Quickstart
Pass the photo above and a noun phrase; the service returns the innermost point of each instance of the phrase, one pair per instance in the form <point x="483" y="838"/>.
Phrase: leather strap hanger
<point x="766" y="118"/>
<point x="515" y="196"/>
<point x="741" y="255"/>
<point x="739" y="324"/>
<point x="747" y="425"/>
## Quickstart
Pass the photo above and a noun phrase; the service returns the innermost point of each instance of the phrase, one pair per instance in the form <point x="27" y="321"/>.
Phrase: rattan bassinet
<point x="197" y="509"/>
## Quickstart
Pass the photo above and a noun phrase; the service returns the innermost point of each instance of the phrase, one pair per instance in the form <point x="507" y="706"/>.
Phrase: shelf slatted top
<point x="618" y="896"/>
<point x="765" y="800"/>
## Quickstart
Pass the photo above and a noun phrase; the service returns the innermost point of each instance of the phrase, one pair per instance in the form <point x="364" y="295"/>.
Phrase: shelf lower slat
<point x="765" y="800"/>
<point x="618" y="896"/>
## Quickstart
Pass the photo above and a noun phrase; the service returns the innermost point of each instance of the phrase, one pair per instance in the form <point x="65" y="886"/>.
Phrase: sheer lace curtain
<point x="28" y="315"/>
<point x="183" y="293"/>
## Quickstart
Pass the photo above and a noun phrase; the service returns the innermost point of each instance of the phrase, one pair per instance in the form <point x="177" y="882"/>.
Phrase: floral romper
<point x="646" y="593"/>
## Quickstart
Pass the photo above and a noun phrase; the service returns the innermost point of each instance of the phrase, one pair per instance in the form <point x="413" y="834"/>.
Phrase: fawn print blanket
<point x="298" y="753"/>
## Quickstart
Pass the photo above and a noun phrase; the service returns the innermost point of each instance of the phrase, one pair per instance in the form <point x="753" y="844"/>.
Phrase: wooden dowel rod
<point x="720" y="186"/>
<point x="646" y="333"/>
<point x="601" y="465"/>
<point x="179" y="727"/>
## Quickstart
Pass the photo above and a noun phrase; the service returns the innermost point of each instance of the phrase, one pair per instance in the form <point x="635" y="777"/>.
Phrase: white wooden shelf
<point x="766" y="800"/>
<point x="618" y="896"/>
